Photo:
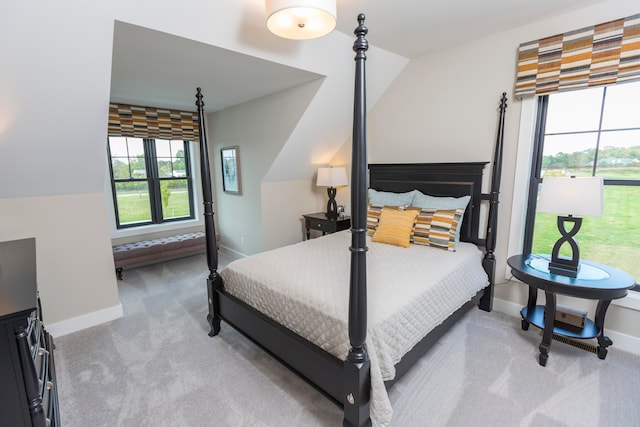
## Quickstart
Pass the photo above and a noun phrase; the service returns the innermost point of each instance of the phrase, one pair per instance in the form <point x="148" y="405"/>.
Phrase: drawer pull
<point x="319" y="225"/>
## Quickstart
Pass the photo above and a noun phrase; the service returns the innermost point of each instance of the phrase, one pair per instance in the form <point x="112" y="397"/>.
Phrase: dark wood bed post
<point x="357" y="366"/>
<point x="489" y="261"/>
<point x="214" y="281"/>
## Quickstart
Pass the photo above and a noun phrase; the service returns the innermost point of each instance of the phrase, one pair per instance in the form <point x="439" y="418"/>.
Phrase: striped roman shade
<point x="148" y="122"/>
<point x="603" y="54"/>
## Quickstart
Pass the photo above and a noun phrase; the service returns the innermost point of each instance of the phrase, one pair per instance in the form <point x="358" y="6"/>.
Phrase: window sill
<point x="631" y="301"/>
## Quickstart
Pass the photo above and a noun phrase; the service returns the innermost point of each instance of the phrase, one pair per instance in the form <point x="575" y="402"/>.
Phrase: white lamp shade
<point x="301" y="19"/>
<point x="571" y="196"/>
<point x="332" y="177"/>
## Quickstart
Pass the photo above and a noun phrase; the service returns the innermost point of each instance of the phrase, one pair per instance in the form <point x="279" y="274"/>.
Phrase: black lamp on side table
<point x="331" y="178"/>
<point x="568" y="197"/>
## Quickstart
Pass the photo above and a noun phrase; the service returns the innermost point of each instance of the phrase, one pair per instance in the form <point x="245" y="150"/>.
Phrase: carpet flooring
<point x="157" y="366"/>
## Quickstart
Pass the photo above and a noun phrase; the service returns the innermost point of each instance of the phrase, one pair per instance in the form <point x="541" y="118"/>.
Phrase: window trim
<point x="153" y="183"/>
<point x="534" y="173"/>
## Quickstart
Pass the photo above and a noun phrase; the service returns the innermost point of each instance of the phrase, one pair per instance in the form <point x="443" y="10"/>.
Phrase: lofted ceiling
<point x="410" y="28"/>
<point x="143" y="74"/>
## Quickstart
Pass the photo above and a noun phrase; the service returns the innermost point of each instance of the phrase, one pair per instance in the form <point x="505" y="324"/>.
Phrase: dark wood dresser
<point x="28" y="394"/>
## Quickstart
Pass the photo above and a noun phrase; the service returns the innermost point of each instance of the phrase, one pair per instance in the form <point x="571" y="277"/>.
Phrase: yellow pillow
<point x="394" y="227"/>
<point x="373" y="214"/>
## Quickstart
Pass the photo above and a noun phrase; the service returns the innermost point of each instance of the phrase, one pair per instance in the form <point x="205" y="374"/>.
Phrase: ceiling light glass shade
<point x="301" y="19"/>
<point x="571" y="196"/>
<point x="332" y="177"/>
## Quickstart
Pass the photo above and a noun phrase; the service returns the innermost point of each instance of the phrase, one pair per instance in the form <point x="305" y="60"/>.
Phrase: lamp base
<point x="566" y="266"/>
<point x="332" y="206"/>
<point x="563" y="270"/>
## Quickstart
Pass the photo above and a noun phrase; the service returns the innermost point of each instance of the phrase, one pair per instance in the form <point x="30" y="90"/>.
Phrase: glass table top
<point x="585" y="271"/>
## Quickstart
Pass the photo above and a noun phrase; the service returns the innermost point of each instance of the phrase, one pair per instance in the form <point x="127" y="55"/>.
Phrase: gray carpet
<point x="158" y="367"/>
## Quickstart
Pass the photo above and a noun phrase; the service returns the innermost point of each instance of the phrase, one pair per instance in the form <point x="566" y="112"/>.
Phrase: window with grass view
<point x="151" y="181"/>
<point x="591" y="132"/>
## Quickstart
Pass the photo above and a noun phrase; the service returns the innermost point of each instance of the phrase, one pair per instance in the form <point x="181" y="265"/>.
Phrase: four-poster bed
<point x="339" y="360"/>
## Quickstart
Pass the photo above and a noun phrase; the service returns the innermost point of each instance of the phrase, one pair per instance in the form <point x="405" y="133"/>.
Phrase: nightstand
<point x="319" y="221"/>
<point x="594" y="281"/>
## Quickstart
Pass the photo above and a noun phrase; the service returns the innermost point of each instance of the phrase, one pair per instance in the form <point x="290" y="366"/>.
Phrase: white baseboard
<point x="85" y="321"/>
<point x="231" y="252"/>
<point x="622" y="341"/>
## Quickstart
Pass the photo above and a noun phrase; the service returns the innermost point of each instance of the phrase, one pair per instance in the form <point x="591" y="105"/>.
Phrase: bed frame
<point x="347" y="382"/>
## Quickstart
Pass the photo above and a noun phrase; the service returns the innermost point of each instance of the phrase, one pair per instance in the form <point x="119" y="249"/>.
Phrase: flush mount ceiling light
<point x="301" y="19"/>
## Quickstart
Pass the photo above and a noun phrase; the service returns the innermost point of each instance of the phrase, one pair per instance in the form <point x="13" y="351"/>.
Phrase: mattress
<point x="305" y="287"/>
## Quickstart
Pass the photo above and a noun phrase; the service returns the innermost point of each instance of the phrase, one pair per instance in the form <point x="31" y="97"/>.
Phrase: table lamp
<point x="332" y="177"/>
<point x="568" y="197"/>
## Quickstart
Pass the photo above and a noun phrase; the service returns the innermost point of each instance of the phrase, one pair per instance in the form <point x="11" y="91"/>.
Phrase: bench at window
<point x="157" y="250"/>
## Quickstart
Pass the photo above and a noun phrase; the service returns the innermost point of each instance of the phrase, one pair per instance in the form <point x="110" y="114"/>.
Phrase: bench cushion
<point x="159" y="249"/>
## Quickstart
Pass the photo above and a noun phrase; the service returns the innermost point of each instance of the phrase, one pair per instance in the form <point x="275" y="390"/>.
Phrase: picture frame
<point x="230" y="161"/>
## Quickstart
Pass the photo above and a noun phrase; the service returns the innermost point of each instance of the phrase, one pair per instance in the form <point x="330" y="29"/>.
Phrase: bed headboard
<point x="436" y="179"/>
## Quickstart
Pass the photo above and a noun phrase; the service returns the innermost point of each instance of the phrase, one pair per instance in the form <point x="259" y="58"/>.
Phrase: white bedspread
<point x="305" y="287"/>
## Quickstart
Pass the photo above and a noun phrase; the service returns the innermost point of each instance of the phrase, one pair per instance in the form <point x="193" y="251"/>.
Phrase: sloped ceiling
<point x="412" y="28"/>
<point x="155" y="68"/>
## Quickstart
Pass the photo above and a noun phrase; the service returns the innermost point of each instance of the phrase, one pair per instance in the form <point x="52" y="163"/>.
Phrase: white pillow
<point x="425" y="201"/>
<point x="388" y="198"/>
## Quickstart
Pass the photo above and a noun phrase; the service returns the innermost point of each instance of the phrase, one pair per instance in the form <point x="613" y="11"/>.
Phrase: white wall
<point x="444" y="107"/>
<point x="73" y="254"/>
<point x="259" y="129"/>
<point x="282" y="204"/>
<point x="54" y="105"/>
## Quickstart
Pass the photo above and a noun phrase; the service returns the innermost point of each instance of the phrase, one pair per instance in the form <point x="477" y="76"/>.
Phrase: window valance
<point x="603" y="54"/>
<point x="148" y="122"/>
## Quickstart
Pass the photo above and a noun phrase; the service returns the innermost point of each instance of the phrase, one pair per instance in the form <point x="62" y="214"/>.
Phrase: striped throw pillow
<point x="437" y="228"/>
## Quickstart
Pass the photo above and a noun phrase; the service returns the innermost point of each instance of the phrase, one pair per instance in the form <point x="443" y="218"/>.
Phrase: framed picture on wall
<point x="230" y="170"/>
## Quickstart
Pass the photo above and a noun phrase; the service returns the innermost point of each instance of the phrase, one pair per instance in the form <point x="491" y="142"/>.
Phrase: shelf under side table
<point x="536" y="318"/>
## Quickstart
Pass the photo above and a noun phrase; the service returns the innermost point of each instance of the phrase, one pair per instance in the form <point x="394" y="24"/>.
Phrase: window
<point x="151" y="181"/>
<point x="591" y="132"/>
